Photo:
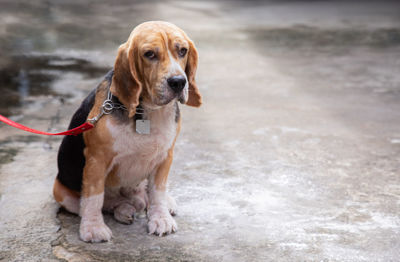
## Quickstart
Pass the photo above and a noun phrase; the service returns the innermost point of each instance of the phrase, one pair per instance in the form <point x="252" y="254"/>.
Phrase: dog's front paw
<point x="172" y="206"/>
<point x="161" y="223"/>
<point x="94" y="231"/>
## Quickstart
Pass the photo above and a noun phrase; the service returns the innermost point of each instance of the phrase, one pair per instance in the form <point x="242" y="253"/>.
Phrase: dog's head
<point x="158" y="65"/>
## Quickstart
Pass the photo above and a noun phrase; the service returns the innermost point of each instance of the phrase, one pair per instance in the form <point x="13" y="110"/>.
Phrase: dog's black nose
<point x="177" y="83"/>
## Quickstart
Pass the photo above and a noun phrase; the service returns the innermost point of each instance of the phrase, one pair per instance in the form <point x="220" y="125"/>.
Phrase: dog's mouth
<point x="183" y="96"/>
<point x="165" y="96"/>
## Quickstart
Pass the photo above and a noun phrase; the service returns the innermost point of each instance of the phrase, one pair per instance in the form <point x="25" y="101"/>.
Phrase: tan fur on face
<point x="137" y="76"/>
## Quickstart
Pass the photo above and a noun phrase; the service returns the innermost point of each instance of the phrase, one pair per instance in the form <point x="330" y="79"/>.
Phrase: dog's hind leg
<point x="119" y="205"/>
<point x="66" y="197"/>
<point x="137" y="195"/>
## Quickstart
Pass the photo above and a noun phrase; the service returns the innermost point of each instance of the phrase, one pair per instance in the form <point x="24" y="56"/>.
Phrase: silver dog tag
<point x="143" y="127"/>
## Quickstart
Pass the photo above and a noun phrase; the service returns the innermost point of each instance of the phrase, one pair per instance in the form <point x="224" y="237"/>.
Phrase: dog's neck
<point x="146" y="111"/>
<point x="149" y="110"/>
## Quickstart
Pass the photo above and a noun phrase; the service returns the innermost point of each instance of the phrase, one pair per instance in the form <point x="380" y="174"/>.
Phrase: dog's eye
<point x="182" y="52"/>
<point x="150" y="55"/>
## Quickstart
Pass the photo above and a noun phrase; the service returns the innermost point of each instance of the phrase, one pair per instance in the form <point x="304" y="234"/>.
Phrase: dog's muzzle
<point x="177" y="85"/>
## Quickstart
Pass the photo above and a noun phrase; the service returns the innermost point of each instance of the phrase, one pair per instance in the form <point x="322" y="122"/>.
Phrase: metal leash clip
<point x="106" y="108"/>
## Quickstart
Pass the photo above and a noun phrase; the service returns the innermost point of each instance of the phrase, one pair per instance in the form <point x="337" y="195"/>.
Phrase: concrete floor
<point x="295" y="155"/>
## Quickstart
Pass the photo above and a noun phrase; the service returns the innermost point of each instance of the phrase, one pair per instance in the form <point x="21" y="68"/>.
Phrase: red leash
<point x="75" y="131"/>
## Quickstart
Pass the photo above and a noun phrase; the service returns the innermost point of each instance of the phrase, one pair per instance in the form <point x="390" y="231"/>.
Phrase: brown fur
<point x="161" y="176"/>
<point x="97" y="152"/>
<point x="195" y="98"/>
<point x="60" y="192"/>
<point x="112" y="178"/>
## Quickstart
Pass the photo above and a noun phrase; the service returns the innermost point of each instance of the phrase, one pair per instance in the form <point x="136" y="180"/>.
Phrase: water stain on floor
<point x="10" y="147"/>
<point x="33" y="75"/>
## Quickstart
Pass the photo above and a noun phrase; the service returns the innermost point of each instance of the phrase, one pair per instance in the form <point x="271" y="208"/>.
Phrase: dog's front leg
<point x="93" y="228"/>
<point x="160" y="219"/>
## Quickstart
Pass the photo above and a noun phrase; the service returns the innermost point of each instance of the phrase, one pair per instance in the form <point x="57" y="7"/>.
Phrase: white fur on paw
<point x="124" y="213"/>
<point x="94" y="231"/>
<point x="172" y="206"/>
<point x="160" y="223"/>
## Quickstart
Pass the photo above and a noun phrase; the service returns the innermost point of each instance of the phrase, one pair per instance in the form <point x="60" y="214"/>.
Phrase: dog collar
<point x="108" y="106"/>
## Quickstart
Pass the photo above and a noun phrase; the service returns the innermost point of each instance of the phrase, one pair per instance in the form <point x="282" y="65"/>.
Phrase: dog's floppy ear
<point x="194" y="98"/>
<point x="125" y="84"/>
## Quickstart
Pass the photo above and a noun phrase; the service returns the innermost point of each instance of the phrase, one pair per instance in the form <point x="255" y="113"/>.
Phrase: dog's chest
<point x="137" y="155"/>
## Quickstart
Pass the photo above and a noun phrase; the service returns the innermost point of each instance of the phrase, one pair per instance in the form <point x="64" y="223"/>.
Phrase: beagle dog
<point x="122" y="164"/>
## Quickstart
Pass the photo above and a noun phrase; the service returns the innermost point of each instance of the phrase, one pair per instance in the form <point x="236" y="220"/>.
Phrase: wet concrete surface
<point x="295" y="155"/>
<point x="30" y="76"/>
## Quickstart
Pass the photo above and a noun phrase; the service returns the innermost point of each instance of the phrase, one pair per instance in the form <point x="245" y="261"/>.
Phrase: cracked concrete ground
<point x="295" y="155"/>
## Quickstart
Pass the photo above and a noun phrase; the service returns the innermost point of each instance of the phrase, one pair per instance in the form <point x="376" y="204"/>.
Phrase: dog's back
<point x="70" y="158"/>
